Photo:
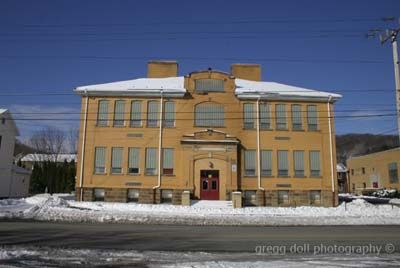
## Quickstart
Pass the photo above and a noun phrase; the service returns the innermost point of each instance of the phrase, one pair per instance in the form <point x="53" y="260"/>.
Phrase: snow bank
<point x="59" y="208"/>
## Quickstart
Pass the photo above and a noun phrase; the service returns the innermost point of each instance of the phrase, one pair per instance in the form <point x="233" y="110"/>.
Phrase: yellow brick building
<point x="210" y="133"/>
<point x="374" y="171"/>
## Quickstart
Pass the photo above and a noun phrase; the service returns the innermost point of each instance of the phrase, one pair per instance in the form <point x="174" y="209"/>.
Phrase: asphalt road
<point x="189" y="238"/>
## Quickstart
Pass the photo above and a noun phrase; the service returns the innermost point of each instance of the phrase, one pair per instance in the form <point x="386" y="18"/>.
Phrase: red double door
<point x="209" y="184"/>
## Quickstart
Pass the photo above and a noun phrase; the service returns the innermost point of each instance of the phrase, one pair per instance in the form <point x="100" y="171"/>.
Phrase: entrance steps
<point x="211" y="204"/>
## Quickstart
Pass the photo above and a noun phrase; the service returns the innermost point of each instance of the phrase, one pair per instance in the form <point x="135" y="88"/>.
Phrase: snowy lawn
<point x="60" y="207"/>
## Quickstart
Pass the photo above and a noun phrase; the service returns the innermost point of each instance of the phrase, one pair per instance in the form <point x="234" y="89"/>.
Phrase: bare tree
<point x="73" y="137"/>
<point x="50" y="141"/>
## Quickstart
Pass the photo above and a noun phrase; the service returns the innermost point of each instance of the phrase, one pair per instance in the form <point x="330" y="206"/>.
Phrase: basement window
<point x="315" y="197"/>
<point x="99" y="194"/>
<point x="166" y="196"/>
<point x="250" y="198"/>
<point x="283" y="197"/>
<point x="133" y="195"/>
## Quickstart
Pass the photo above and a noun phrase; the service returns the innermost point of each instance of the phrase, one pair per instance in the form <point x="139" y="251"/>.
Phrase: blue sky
<point x="44" y="47"/>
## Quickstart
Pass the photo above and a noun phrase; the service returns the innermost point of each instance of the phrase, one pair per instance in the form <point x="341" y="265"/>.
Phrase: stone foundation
<point x="116" y="195"/>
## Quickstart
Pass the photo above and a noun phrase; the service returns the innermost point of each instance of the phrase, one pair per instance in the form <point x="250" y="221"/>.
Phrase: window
<point x="283" y="197"/>
<point x="151" y="161"/>
<point x="364" y="185"/>
<point x="119" y="113"/>
<point x="209" y="85"/>
<point x="281" y="122"/>
<point x="102" y="116"/>
<point x="99" y="163"/>
<point x="298" y="157"/>
<point x="116" y="160"/>
<point x="315" y="197"/>
<point x="352" y="171"/>
<point x="315" y="166"/>
<point x="214" y="185"/>
<point x="393" y="173"/>
<point x="152" y="113"/>
<point x="248" y="114"/>
<point x="99" y="194"/>
<point x="363" y="170"/>
<point x="283" y="164"/>
<point x="169" y="114"/>
<point x="133" y="195"/>
<point x="168" y="161"/>
<point x="209" y="114"/>
<point x="136" y="114"/>
<point x="3" y="121"/>
<point x="312" y="118"/>
<point x="266" y="163"/>
<point x="250" y="198"/>
<point x="250" y="163"/>
<point x="265" y="116"/>
<point x="133" y="161"/>
<point x="166" y="196"/>
<point x="297" y="123"/>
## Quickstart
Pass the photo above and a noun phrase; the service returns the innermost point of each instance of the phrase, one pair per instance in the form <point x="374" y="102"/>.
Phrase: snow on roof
<point x="48" y="157"/>
<point x="2" y="110"/>
<point x="380" y="152"/>
<point x="20" y="170"/>
<point x="141" y="86"/>
<point x="341" y="168"/>
<point x="175" y="86"/>
<point x="255" y="89"/>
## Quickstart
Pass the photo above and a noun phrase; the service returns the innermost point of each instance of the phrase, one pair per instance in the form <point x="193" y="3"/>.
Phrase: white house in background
<point x="14" y="181"/>
<point x="30" y="159"/>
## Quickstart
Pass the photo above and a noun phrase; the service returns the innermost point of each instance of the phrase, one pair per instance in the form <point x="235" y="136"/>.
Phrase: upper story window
<point x="102" y="114"/>
<point x="209" y="85"/>
<point x="315" y="164"/>
<point x="100" y="160"/>
<point x="281" y="119"/>
<point x="169" y="114"/>
<point x="265" y="116"/>
<point x="152" y="113"/>
<point x="209" y="114"/>
<point x="248" y="113"/>
<point x="297" y="121"/>
<point x="393" y="174"/>
<point x="136" y="114"/>
<point x="312" y="118"/>
<point x="119" y="113"/>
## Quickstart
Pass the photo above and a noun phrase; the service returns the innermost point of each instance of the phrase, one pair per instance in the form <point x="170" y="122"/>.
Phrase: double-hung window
<point x="393" y="173"/>
<point x="100" y="160"/>
<point x="209" y="114"/>
<point x="133" y="161"/>
<point x="152" y="113"/>
<point x="298" y="158"/>
<point x="283" y="164"/>
<point x="102" y="113"/>
<point x="169" y="114"/>
<point x="168" y="161"/>
<point x="312" y="118"/>
<point x="119" y="113"/>
<point x="249" y="162"/>
<point x="281" y="120"/>
<point x="315" y="165"/>
<point x="116" y="160"/>
<point x="296" y="117"/>
<point x="136" y="114"/>
<point x="266" y="162"/>
<point x="151" y="161"/>
<point x="265" y="117"/>
<point x="249" y="118"/>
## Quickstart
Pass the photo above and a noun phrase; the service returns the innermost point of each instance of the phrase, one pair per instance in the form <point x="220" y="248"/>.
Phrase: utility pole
<point x="391" y="35"/>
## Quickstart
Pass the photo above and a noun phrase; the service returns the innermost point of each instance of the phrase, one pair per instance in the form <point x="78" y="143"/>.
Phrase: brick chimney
<point x="246" y="71"/>
<point x="160" y="69"/>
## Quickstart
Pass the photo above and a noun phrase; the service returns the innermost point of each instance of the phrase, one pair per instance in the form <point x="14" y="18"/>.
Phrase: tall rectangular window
<point x="102" y="113"/>
<point x="100" y="160"/>
<point x="209" y="114"/>
<point x="266" y="163"/>
<point x="119" y="113"/>
<point x="281" y="120"/>
<point x="297" y="123"/>
<point x="133" y="161"/>
<point x="168" y="161"/>
<point x="298" y="158"/>
<point x="250" y="163"/>
<point x="169" y="114"/>
<point x="151" y="161"/>
<point x="265" y="116"/>
<point x="136" y="114"/>
<point x="116" y="160"/>
<point x="312" y="118"/>
<point x="393" y="173"/>
<point x="283" y="164"/>
<point x="315" y="165"/>
<point x="248" y="113"/>
<point x="152" y="113"/>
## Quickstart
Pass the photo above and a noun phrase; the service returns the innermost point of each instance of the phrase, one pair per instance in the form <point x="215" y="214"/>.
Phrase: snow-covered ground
<point x="50" y="257"/>
<point x="61" y="207"/>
